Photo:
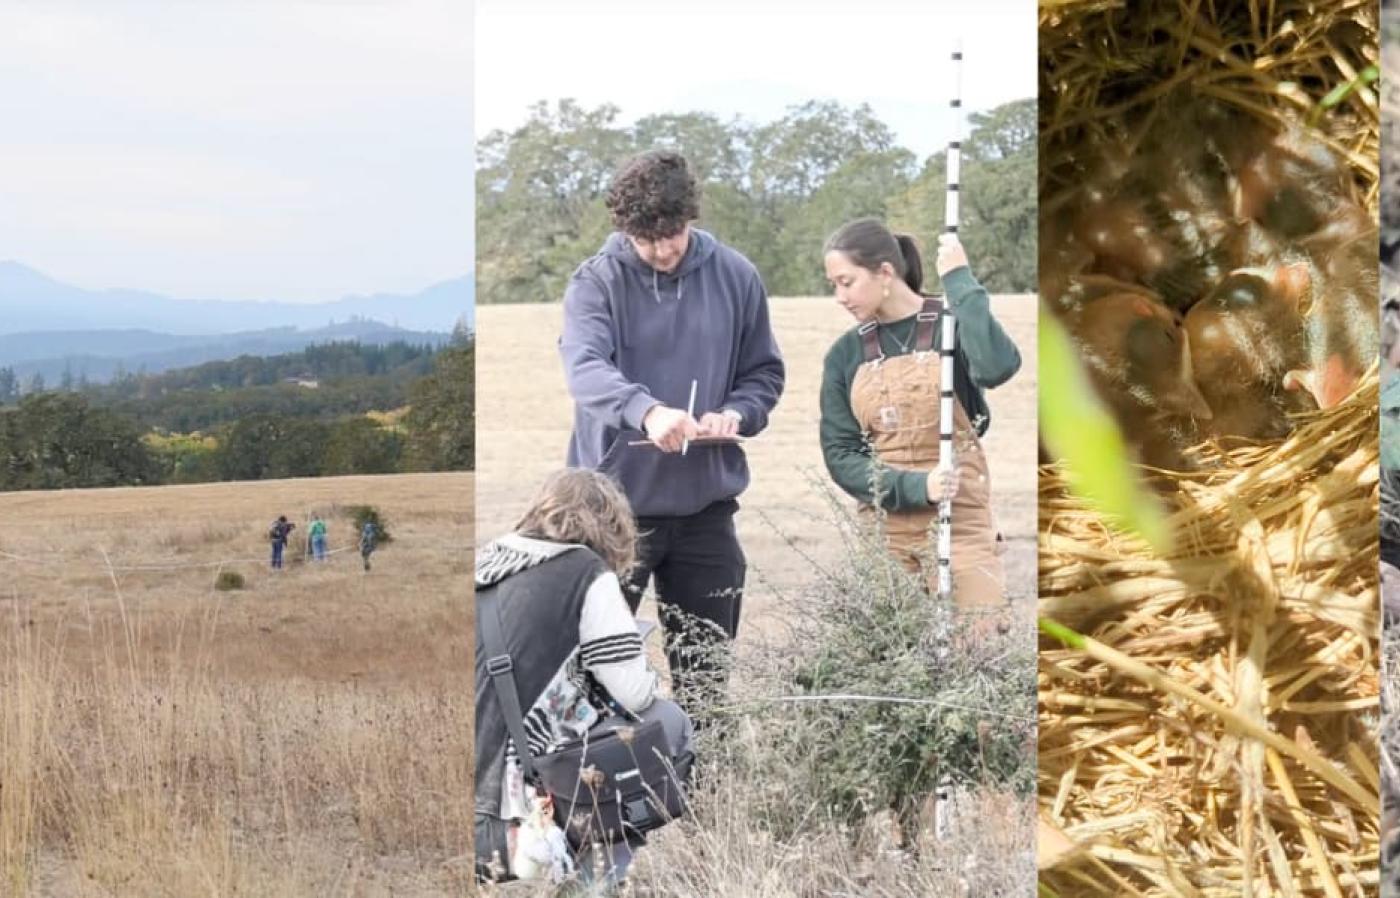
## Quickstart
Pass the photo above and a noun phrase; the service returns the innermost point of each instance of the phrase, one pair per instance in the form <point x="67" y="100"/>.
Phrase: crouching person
<point x="560" y="667"/>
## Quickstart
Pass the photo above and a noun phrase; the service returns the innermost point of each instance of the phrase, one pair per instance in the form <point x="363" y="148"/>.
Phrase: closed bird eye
<point x="1246" y="290"/>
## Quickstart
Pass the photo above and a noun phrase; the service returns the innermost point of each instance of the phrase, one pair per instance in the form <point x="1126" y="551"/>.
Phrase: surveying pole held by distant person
<point x="663" y="322"/>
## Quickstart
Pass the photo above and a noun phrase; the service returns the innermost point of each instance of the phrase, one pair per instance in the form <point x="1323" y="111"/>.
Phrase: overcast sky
<point x="754" y="57"/>
<point x="238" y="150"/>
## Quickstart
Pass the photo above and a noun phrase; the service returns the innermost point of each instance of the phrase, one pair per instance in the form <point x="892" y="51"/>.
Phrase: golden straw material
<point x="1105" y="62"/>
<point x="1215" y="733"/>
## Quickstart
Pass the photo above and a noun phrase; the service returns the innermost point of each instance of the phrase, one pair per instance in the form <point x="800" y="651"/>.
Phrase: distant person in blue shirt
<point x="661" y="306"/>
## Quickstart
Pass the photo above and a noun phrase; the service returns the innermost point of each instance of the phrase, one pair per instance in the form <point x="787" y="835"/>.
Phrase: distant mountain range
<point x="48" y="327"/>
<point x="32" y="301"/>
<point x="98" y="355"/>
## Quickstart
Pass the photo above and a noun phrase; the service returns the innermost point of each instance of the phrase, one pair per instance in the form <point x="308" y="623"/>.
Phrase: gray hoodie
<point x="634" y="337"/>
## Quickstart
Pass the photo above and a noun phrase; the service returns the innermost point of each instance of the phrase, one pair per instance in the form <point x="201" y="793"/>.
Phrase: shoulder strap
<point x="927" y="320"/>
<point x="502" y="672"/>
<point x="870" y="341"/>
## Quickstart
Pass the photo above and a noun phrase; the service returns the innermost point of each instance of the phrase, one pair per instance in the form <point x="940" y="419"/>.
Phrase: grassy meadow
<point x="307" y="734"/>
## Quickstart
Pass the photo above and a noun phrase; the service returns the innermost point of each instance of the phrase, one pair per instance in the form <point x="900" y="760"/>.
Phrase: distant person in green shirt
<point x="317" y="532"/>
<point x="880" y="402"/>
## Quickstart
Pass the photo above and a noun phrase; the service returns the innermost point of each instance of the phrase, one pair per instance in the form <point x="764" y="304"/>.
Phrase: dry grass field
<point x="308" y="734"/>
<point x="524" y="416"/>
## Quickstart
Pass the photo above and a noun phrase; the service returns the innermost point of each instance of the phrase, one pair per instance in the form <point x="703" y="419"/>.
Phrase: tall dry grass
<point x="817" y="767"/>
<point x="162" y="738"/>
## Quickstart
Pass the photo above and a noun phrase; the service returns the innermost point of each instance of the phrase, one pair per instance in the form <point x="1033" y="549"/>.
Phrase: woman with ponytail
<point x="880" y="401"/>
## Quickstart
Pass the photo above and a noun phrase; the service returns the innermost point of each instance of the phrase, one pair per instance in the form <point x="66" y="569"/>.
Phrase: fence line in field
<point x="64" y="560"/>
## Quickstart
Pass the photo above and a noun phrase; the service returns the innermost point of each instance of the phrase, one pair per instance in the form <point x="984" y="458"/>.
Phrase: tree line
<point x="341" y="378"/>
<point x="64" y="439"/>
<point x="773" y="191"/>
<point x="335" y="359"/>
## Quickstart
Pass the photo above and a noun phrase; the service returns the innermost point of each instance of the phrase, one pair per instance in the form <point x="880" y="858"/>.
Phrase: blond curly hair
<point x="578" y="506"/>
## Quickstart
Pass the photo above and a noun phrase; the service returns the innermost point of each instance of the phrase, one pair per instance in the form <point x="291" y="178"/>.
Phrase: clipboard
<point x="700" y="441"/>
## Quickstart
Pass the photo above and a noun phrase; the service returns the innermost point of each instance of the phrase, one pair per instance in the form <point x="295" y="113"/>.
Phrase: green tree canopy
<point x="59" y="441"/>
<point x="774" y="191"/>
<point x="441" y="423"/>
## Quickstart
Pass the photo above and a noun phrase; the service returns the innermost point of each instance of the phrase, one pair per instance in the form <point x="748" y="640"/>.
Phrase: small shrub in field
<point x="949" y="694"/>
<point x="228" y="580"/>
<point x="878" y="691"/>
<point x="817" y="763"/>
<point x="882" y="691"/>
<point x="362" y="513"/>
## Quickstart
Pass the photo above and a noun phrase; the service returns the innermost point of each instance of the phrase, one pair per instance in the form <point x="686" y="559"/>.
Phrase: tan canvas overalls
<point x="896" y="400"/>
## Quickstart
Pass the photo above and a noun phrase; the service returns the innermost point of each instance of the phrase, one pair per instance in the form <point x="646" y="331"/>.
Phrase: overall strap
<point x="927" y="319"/>
<point x="501" y="670"/>
<point x="870" y="341"/>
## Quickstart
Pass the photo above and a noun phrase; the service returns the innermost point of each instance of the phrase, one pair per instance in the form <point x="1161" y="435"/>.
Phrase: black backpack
<point x="633" y="786"/>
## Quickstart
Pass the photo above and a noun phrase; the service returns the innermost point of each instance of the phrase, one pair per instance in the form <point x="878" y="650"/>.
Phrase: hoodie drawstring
<point x="656" y="291"/>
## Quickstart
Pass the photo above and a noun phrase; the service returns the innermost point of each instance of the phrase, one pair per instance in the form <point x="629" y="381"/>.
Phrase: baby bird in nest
<point x="1253" y="239"/>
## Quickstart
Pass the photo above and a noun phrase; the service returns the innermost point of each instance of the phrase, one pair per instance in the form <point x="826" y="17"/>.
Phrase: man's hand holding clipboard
<point x="671" y="430"/>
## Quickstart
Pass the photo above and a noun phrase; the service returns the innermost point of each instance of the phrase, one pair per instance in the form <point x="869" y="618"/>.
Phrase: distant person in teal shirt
<point x="317" y="532"/>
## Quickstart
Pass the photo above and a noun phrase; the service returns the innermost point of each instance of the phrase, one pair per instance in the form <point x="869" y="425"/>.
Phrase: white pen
<point x="689" y="410"/>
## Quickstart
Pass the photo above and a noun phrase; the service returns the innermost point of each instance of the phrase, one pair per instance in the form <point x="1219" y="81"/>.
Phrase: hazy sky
<point x="754" y="57"/>
<point x="264" y="149"/>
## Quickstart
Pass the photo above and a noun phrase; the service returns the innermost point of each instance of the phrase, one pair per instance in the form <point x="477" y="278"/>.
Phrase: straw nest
<point x="1223" y="743"/>
<point x="1107" y="62"/>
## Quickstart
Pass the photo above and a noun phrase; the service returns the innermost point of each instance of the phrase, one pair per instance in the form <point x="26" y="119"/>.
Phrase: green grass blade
<point x="1079" y="431"/>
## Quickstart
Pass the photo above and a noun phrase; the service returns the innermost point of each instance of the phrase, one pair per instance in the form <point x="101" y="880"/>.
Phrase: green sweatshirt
<point x="985" y="358"/>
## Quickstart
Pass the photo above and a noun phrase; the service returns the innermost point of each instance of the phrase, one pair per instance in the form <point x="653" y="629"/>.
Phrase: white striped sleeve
<point x="610" y="647"/>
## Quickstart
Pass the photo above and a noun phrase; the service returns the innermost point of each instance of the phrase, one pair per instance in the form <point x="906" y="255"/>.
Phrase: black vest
<point x="540" y="611"/>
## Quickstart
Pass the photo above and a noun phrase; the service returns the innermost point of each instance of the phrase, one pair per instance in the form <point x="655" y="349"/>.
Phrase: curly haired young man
<point x="664" y="305"/>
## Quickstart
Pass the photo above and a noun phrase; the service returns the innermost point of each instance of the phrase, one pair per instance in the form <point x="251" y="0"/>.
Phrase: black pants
<point x="699" y="570"/>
